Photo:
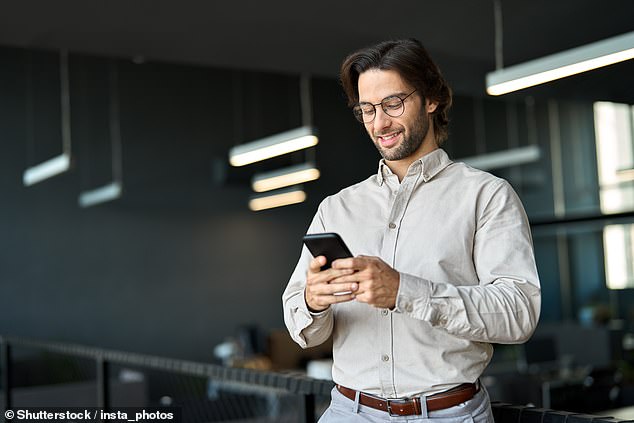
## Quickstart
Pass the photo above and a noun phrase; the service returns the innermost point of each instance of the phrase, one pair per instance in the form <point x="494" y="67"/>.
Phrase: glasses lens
<point x="392" y="106"/>
<point x="364" y="112"/>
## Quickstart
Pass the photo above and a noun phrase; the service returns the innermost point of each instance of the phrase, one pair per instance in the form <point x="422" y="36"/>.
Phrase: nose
<point x="381" y="119"/>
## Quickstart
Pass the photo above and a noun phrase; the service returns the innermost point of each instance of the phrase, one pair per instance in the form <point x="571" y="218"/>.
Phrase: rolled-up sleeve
<point x="503" y="304"/>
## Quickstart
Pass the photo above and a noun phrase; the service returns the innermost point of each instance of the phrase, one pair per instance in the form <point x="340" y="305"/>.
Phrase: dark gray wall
<point x="179" y="263"/>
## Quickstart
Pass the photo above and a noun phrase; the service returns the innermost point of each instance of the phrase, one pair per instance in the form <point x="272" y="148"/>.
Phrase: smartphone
<point x="327" y="244"/>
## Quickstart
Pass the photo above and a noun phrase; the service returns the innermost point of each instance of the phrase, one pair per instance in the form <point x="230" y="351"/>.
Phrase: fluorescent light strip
<point x="46" y="169"/>
<point x="275" y="145"/>
<point x="503" y="159"/>
<point x="279" y="198"/>
<point x="284" y="177"/>
<point x="625" y="174"/>
<point x="100" y="195"/>
<point x="560" y="65"/>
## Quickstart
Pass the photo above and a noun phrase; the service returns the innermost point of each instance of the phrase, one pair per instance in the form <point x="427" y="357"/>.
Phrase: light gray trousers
<point x="344" y="410"/>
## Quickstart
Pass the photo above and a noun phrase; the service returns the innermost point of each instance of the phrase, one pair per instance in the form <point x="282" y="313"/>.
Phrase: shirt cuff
<point x="413" y="297"/>
<point x="318" y="314"/>
<point x="305" y="317"/>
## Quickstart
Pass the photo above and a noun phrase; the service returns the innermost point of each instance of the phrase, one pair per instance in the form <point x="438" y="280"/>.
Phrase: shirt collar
<point x="429" y="166"/>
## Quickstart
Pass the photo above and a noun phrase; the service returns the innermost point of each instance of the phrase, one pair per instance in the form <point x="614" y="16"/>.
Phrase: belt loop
<point x="355" y="407"/>
<point x="423" y="406"/>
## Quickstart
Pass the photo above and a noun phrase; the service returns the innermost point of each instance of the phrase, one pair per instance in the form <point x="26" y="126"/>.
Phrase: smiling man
<point x="446" y="265"/>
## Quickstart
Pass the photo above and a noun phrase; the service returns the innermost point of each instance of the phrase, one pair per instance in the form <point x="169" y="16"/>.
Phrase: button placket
<point x="401" y="197"/>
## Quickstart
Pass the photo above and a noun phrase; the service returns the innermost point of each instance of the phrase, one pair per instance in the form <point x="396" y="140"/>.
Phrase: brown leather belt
<point x="411" y="406"/>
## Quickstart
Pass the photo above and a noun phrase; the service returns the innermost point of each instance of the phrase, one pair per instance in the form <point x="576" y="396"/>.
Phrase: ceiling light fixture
<point x="275" y="145"/>
<point x="278" y="198"/>
<point x="284" y="177"/>
<point x="502" y="159"/>
<point x="109" y="192"/>
<point x="560" y="65"/>
<point x="61" y="163"/>
<point x="47" y="169"/>
<point x="114" y="189"/>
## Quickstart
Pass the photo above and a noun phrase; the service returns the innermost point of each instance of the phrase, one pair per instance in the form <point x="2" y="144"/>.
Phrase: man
<point x="446" y="265"/>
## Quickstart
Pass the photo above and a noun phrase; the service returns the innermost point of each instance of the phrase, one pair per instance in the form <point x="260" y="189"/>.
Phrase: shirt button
<point x="408" y="308"/>
<point x="392" y="225"/>
<point x="384" y="312"/>
<point x="385" y="357"/>
<point x="425" y="176"/>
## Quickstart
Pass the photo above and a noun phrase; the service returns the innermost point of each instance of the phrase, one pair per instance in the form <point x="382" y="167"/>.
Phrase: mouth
<point x="388" y="140"/>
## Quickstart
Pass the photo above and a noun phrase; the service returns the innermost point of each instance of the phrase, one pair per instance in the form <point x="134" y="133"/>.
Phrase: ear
<point x="430" y="106"/>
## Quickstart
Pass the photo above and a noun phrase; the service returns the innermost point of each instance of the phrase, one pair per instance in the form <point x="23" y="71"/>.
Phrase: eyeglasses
<point x="393" y="106"/>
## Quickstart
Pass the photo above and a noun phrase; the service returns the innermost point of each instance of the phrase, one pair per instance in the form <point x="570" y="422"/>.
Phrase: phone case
<point x="327" y="244"/>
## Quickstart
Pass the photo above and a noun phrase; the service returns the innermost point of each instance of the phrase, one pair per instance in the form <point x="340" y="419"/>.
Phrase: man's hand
<point x="322" y="288"/>
<point x="378" y="282"/>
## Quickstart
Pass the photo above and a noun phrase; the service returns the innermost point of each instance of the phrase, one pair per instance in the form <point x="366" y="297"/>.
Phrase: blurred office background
<point x="153" y="95"/>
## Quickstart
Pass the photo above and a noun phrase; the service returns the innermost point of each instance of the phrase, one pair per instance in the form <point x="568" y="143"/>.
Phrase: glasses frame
<point x="385" y="110"/>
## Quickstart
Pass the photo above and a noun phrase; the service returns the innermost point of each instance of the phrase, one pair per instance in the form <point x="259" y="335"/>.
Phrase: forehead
<point x="375" y="84"/>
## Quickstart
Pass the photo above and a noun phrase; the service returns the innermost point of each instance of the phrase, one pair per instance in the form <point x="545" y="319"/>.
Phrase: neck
<point x="400" y="167"/>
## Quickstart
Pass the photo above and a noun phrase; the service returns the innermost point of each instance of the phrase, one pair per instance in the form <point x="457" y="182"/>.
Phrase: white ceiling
<point x="298" y="36"/>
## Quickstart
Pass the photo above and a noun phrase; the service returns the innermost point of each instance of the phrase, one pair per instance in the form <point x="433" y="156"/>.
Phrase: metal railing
<point x="304" y="388"/>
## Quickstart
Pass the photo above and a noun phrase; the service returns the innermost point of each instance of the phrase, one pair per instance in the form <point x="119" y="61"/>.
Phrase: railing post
<point x="5" y="352"/>
<point x="308" y="406"/>
<point x="103" y="390"/>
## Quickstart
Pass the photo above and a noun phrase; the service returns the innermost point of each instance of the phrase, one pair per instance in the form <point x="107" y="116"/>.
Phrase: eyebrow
<point x="399" y="94"/>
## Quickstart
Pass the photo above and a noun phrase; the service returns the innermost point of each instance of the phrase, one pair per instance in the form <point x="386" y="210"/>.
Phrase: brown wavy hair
<point x="410" y="59"/>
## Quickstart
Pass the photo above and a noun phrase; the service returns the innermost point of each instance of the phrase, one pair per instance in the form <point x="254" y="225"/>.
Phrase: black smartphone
<point x="328" y="244"/>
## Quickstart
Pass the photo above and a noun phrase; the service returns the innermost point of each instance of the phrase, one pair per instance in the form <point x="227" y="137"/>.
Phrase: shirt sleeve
<point x="503" y="305"/>
<point x="306" y="328"/>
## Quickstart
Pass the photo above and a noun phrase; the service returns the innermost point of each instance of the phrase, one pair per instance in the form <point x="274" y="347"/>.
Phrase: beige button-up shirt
<point x="461" y="242"/>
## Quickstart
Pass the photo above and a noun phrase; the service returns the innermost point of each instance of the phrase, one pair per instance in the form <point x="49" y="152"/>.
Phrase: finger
<point x="347" y="288"/>
<point x="351" y="276"/>
<point x="326" y="276"/>
<point x="340" y="298"/>
<point x="355" y="263"/>
<point x="366" y="297"/>
<point x="332" y="289"/>
<point x="315" y="264"/>
<point x="324" y="299"/>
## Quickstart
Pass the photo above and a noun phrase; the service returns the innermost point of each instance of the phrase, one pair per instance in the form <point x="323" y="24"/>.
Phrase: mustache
<point x="383" y="133"/>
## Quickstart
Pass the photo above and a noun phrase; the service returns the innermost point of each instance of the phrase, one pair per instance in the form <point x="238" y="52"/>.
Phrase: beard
<point x="410" y="144"/>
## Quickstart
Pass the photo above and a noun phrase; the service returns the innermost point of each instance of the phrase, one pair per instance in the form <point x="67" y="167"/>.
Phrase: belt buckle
<point x="397" y="401"/>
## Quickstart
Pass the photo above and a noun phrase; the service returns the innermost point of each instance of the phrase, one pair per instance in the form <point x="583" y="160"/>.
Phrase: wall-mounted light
<point x="284" y="177"/>
<point x="560" y="65"/>
<point x="278" y="198"/>
<point x="275" y="145"/>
